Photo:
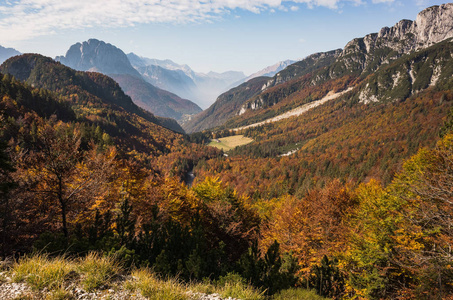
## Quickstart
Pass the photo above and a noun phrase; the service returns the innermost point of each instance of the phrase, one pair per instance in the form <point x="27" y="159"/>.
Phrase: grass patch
<point x="60" y="294"/>
<point x="230" y="142"/>
<point x="94" y="272"/>
<point x="234" y="286"/>
<point x="151" y="287"/>
<point x="231" y="285"/>
<point x="40" y="271"/>
<point x="97" y="271"/>
<point x="298" y="294"/>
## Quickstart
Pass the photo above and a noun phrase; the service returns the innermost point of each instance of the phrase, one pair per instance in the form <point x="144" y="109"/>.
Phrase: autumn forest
<point x="352" y="199"/>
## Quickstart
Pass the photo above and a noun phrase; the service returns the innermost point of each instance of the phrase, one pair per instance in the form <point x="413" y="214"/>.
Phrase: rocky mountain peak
<point x="434" y="24"/>
<point x="98" y="56"/>
<point x="431" y="26"/>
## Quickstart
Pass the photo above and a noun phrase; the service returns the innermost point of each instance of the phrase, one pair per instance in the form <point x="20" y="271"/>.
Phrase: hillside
<point x="360" y="58"/>
<point x="98" y="56"/>
<point x="415" y="85"/>
<point x="162" y="103"/>
<point x="225" y="107"/>
<point x="96" y="98"/>
<point x="182" y="80"/>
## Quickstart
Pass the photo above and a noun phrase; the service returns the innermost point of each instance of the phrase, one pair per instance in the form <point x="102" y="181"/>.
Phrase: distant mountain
<point x="201" y="88"/>
<point x="139" y="61"/>
<point x="236" y="101"/>
<point x="167" y="104"/>
<point x="269" y="71"/>
<point x="175" y="81"/>
<point x="314" y="76"/>
<point x="226" y="106"/>
<point x="98" y="56"/>
<point x="6" y="53"/>
<point x="166" y="74"/>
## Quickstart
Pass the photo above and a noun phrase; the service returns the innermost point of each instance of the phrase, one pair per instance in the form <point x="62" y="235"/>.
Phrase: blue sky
<point x="208" y="35"/>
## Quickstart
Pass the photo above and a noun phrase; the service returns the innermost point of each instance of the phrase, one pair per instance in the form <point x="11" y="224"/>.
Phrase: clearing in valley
<point x="230" y="142"/>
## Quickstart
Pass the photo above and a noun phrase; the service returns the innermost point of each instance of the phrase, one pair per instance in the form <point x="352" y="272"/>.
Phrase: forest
<point x="362" y="209"/>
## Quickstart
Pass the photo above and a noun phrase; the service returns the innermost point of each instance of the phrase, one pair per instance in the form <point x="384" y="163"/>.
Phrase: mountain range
<point x="93" y="100"/>
<point x="350" y="197"/>
<point x="359" y="59"/>
<point x="201" y="88"/>
<point x="148" y="81"/>
<point x="98" y="56"/>
<point x="268" y="71"/>
<point x="6" y="53"/>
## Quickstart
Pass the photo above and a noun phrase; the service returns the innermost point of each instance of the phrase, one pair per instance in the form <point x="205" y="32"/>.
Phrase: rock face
<point x="97" y="56"/>
<point x="431" y="26"/>
<point x="434" y="24"/>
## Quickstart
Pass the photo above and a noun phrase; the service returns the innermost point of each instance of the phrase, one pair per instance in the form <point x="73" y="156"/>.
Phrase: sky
<point x="207" y="35"/>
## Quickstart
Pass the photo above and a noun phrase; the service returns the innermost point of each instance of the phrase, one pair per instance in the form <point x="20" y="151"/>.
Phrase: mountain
<point x="268" y="71"/>
<point x="226" y="106"/>
<point x="201" y="88"/>
<point x="95" y="98"/>
<point x="6" y="53"/>
<point x="98" y="56"/>
<point x="236" y="100"/>
<point x="166" y="75"/>
<point x="310" y="78"/>
<point x="399" y="94"/>
<point x="165" y="103"/>
<point x="139" y="61"/>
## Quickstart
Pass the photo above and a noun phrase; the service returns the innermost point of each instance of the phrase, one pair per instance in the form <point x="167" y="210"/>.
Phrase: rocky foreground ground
<point x="10" y="290"/>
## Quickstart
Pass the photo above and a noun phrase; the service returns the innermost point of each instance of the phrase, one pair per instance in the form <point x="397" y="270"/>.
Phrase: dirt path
<point x="299" y="110"/>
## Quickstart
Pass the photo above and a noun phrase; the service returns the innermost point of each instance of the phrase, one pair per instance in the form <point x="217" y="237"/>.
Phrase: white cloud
<point x="294" y="8"/>
<point x="383" y="1"/>
<point x="24" y="19"/>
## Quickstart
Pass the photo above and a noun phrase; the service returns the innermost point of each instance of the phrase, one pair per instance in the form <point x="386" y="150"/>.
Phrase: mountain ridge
<point x="98" y="56"/>
<point x="359" y="58"/>
<point x="201" y="88"/>
<point x="81" y="89"/>
<point x="6" y="53"/>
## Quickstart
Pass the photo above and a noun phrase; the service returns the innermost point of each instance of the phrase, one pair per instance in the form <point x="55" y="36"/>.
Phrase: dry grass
<point x="230" y="142"/>
<point x="151" y="287"/>
<point x="231" y="285"/>
<point x="40" y="271"/>
<point x="97" y="271"/>
<point x="52" y="278"/>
